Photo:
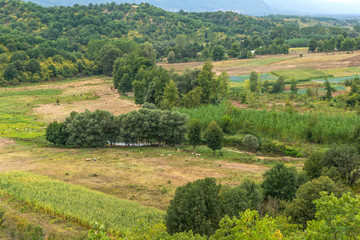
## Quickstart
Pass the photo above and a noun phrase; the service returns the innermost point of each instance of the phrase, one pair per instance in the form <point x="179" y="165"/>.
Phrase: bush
<point x="280" y="148"/>
<point x="196" y="207"/>
<point x="250" y="142"/>
<point x="280" y="182"/>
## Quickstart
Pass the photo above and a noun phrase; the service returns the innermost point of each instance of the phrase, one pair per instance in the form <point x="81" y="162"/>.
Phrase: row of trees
<point x="341" y="43"/>
<point x="97" y="129"/>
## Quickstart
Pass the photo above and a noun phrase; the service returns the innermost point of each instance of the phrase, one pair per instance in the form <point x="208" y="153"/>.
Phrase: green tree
<point x="139" y="92"/>
<point x="345" y="160"/>
<point x="107" y="56"/>
<point x="33" y="66"/>
<point x="55" y="133"/>
<point x="214" y="136"/>
<point x="312" y="45"/>
<point x="250" y="226"/>
<point x="125" y="84"/>
<point x="171" y="95"/>
<point x="194" y="133"/>
<point x="314" y="164"/>
<point x="329" y="90"/>
<point x="218" y="53"/>
<point x="279" y="85"/>
<point x="10" y="72"/>
<point x="302" y="208"/>
<point x="280" y="182"/>
<point x="293" y="87"/>
<point x="207" y="82"/>
<point x="192" y="99"/>
<point x="335" y="218"/>
<point x="354" y="89"/>
<point x="254" y="81"/>
<point x="223" y="85"/>
<point x="196" y="207"/>
<point x="171" y="58"/>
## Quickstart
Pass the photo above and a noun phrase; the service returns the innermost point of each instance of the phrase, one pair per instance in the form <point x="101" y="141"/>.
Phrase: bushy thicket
<point x="99" y="128"/>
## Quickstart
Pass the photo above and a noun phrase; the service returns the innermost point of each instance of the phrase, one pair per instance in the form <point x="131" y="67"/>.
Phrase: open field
<point x="267" y="64"/>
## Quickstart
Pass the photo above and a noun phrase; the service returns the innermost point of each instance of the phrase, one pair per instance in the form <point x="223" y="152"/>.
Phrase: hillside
<point x="257" y="7"/>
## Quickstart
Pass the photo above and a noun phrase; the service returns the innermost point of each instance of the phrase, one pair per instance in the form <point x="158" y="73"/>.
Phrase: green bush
<point x="273" y="146"/>
<point x="250" y="142"/>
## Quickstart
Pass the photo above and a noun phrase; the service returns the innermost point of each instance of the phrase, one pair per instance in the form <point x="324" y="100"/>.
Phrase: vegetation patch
<point x="76" y="203"/>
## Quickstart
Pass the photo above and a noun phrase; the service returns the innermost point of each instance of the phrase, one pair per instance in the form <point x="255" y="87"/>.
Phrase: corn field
<point x="77" y="204"/>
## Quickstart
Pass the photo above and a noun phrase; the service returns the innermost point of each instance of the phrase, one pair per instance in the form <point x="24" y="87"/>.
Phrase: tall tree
<point x="206" y="80"/>
<point x="254" y="81"/>
<point x="194" y="133"/>
<point x="214" y="136"/>
<point x="171" y="95"/>
<point x="139" y="92"/>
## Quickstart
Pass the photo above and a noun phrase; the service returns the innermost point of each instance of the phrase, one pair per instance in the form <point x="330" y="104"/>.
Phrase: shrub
<point x="280" y="182"/>
<point x="196" y="207"/>
<point x="250" y="142"/>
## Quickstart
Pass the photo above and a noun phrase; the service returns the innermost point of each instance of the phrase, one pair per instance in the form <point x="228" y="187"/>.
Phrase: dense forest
<point x="41" y="44"/>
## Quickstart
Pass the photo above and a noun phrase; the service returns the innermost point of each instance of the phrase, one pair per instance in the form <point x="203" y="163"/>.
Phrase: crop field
<point x="76" y="203"/>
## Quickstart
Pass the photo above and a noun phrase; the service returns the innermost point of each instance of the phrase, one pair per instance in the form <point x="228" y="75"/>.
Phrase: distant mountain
<point x="253" y="7"/>
<point x="249" y="7"/>
<point x="316" y="7"/>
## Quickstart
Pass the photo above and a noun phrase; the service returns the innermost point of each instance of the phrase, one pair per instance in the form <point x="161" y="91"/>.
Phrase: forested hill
<point x="254" y="7"/>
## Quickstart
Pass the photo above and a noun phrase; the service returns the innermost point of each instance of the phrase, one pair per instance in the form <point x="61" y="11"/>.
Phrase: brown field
<point x="108" y="99"/>
<point x="266" y="64"/>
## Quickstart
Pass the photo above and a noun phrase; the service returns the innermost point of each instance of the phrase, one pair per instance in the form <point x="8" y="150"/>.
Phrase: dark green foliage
<point x="206" y="80"/>
<point x="218" y="53"/>
<point x="196" y="207"/>
<point x="280" y="182"/>
<point x="194" y="133"/>
<point x="11" y="72"/>
<point x="314" y="164"/>
<point x="329" y="90"/>
<point x="214" y="136"/>
<point x="55" y="133"/>
<point x="312" y="45"/>
<point x="238" y="199"/>
<point x="354" y="89"/>
<point x="302" y="208"/>
<point x="293" y="87"/>
<point x="139" y="92"/>
<point x="345" y="160"/>
<point x="125" y="84"/>
<point x="254" y="81"/>
<point x="107" y="56"/>
<point x="279" y="85"/>
<point x="152" y="126"/>
<point x="33" y="66"/>
<point x="88" y="129"/>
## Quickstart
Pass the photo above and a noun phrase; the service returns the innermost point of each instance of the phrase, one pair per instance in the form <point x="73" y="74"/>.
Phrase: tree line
<point x="148" y="126"/>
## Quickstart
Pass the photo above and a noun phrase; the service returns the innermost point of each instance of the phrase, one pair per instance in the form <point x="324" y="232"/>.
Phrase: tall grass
<point x="316" y="127"/>
<point x="76" y="203"/>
